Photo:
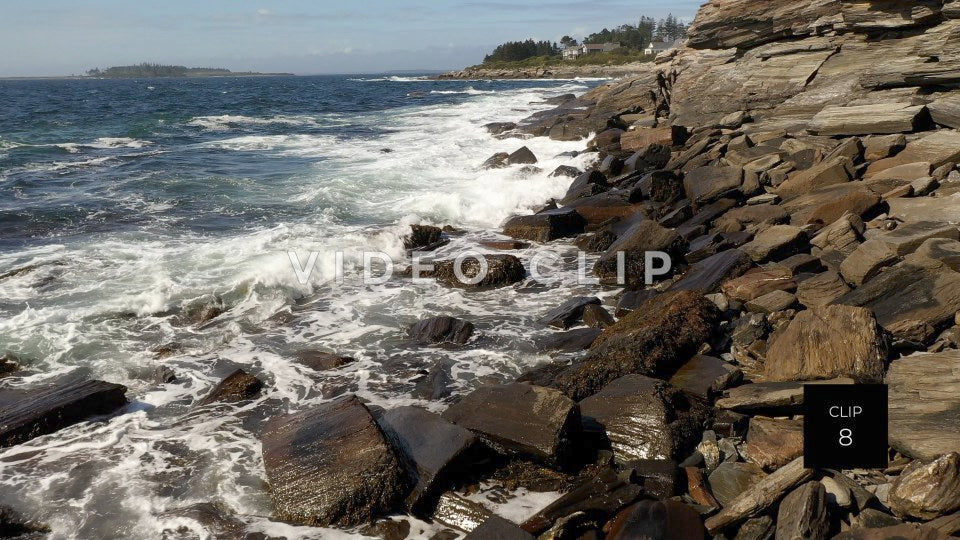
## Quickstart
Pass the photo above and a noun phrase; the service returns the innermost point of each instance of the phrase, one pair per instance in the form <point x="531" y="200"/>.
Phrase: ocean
<point x="125" y="202"/>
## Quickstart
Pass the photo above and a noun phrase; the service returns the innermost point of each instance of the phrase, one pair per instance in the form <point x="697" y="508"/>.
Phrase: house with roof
<point x="657" y="46"/>
<point x="571" y="53"/>
<point x="577" y="51"/>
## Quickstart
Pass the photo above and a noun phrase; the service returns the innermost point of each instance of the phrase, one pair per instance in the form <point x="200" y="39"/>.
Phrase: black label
<point x="845" y="426"/>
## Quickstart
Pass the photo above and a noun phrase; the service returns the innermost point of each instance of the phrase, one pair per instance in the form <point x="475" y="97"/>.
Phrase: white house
<point x="657" y="47"/>
<point x="588" y="48"/>
<point x="571" y="53"/>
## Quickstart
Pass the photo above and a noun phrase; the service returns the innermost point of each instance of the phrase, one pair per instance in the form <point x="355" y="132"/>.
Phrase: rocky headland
<point x="554" y="71"/>
<point x="798" y="161"/>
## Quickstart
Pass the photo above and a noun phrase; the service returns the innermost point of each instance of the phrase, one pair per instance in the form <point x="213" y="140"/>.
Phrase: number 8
<point x="846" y="437"/>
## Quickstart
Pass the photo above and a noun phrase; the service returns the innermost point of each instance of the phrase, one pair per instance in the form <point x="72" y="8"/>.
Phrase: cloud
<point x="265" y="12"/>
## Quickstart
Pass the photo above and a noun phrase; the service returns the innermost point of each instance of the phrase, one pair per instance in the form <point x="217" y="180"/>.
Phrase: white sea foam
<point x="226" y="122"/>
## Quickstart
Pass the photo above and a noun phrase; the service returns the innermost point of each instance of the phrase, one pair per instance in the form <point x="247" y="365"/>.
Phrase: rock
<point x="946" y="111"/>
<point x="923" y="186"/>
<point x="758" y="282"/>
<point x="883" y="146"/>
<point x="705" y="376"/>
<point x="387" y="529"/>
<point x="762" y="215"/>
<point x="843" y="235"/>
<point x="573" y="340"/>
<point x="730" y="479"/>
<point x="780" y="396"/>
<point x="522" y="156"/>
<point x="8" y="365"/>
<point x="546" y="226"/>
<point x="433" y="448"/>
<point x="924" y="407"/>
<point x="497" y="128"/>
<point x="602" y="496"/>
<point x="867" y="261"/>
<point x="771" y="302"/>
<point x="237" y="386"/>
<point x="764" y="494"/>
<point x="906" y="172"/>
<point x="936" y="149"/>
<point x="927" y="490"/>
<point x="911" y="302"/>
<point x="758" y="528"/>
<point x="906" y="531"/>
<point x="506" y="245"/>
<point x="566" y="170"/>
<point x="902" y="191"/>
<point x="868" y="518"/>
<point x="598" y="209"/>
<point x="639" y="239"/>
<point x="569" y="313"/>
<point x="322" y="360"/>
<point x="942" y="250"/>
<point x="838" y="494"/>
<point x="660" y="477"/>
<point x="803" y="513"/>
<point x="641" y="418"/>
<point x="656" y="520"/>
<point x="13" y="524"/>
<point x="29" y="413"/>
<point x="821" y="289"/>
<point x="597" y="316"/>
<point x="633" y="299"/>
<point x="876" y="118"/>
<point x="520" y="419"/>
<point x="502" y="270"/>
<point x="201" y="310"/>
<point x="828" y="342"/>
<point x="438" y="330"/>
<point x="776" y="243"/>
<point x="640" y="138"/>
<point x="772" y="442"/>
<point x="499" y="528"/>
<point x="706" y="276"/>
<point x="437" y="383"/>
<point x="654" y="339"/>
<point x="707" y="184"/>
<point x="459" y="513"/>
<point x="906" y="239"/>
<point x="422" y="236"/>
<point x="607" y="141"/>
<point x="496" y="161"/>
<point x="828" y="173"/>
<point x="331" y="465"/>
<point x="585" y="185"/>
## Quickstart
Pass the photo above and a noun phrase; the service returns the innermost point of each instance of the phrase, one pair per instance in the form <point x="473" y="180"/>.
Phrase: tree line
<point x="633" y="37"/>
<point x="154" y="70"/>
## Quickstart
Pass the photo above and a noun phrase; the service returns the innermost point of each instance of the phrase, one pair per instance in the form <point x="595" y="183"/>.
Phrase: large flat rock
<point x="924" y="411"/>
<point x="872" y="119"/>
<point x="25" y="414"/>
<point x="937" y="148"/>
<point x="331" y="464"/>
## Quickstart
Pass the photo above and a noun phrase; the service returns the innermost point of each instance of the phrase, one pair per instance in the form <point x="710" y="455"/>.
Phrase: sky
<point x="63" y="37"/>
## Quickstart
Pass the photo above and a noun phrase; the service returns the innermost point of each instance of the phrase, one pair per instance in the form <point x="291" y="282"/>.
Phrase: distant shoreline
<point x="89" y="78"/>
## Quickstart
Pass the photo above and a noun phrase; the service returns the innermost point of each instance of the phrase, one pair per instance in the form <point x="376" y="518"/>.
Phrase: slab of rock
<point x="578" y="339"/>
<point x="825" y="343"/>
<point x="771" y="302"/>
<point x="773" y="442"/>
<point x="438" y="330"/>
<point x="843" y="235"/>
<point x="924" y="410"/>
<point x="883" y="146"/>
<point x="707" y="184"/>
<point x="776" y="243"/>
<point x="803" y="513"/>
<point x="705" y="376"/>
<point x="656" y="520"/>
<point x="322" y="360"/>
<point x="660" y="477"/>
<point x="907" y="238"/>
<point x="502" y="270"/>
<point x="331" y="464"/>
<point x="942" y="250"/>
<point x="647" y="235"/>
<point x="654" y="339"/>
<point x="911" y="302"/>
<point x="708" y="275"/>
<point x="763" y="495"/>
<point x="781" y="396"/>
<point x="873" y="119"/>
<point x="906" y="531"/>
<point x="927" y="490"/>
<point x="731" y="479"/>
<point x="569" y="313"/>
<point x="938" y="148"/>
<point x="522" y="156"/>
<point x="546" y="226"/>
<point x="821" y="289"/>
<point x="602" y="495"/>
<point x="597" y="316"/>
<point x="946" y="111"/>
<point x="830" y="172"/>
<point x="520" y="419"/>
<point x="758" y="282"/>
<point x="433" y="449"/>
<point x="587" y="184"/>
<point x="867" y="261"/>
<point x="500" y="528"/>
<point x="236" y="386"/>
<point x="641" y="418"/>
<point x="641" y="137"/>
<point x="459" y="512"/>
<point x="906" y="172"/>
<point x="745" y="216"/>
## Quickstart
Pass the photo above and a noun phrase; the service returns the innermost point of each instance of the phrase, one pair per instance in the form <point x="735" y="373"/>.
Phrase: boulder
<point x="708" y="275"/>
<point x="237" y="386"/>
<point x="830" y="172"/>
<point x="546" y="226"/>
<point x="599" y="496"/>
<point x="707" y="184"/>
<point x="640" y="238"/>
<point x="522" y="156"/>
<point x="459" y="513"/>
<point x="883" y="146"/>
<point x="872" y="119"/>
<point x="331" y="465"/>
<point x="730" y="479"/>
<point x="776" y="243"/>
<point x="825" y="343"/>
<point x="907" y="172"/>
<point x="497" y="128"/>
<point x="759" y="282"/>
<point x="867" y="261"/>
<point x="443" y="329"/>
<point x="422" y="236"/>
<point x="496" y="161"/>
<point x="773" y="442"/>
<point x="433" y="449"/>
<point x="703" y="377"/>
<point x="938" y="148"/>
<point x="607" y="140"/>
<point x="8" y="364"/>
<point x="771" y="302"/>
<point x="803" y="513"/>
<point x="500" y="528"/>
<point x="654" y="339"/>
<point x="927" y="490"/>
<point x="322" y="360"/>
<point x="656" y="520"/>
<point x="759" y="215"/>
<point x="566" y="170"/>
<point x="641" y="418"/>
<point x="520" y="419"/>
<point x="946" y="111"/>
<point x="570" y="341"/>
<point x="568" y="313"/>
<point x="942" y="250"/>
<point x="843" y="235"/>
<point x="924" y="404"/>
<point x="642" y="137"/>
<point x="587" y="184"/>
<point x="906" y="239"/>
<point x="821" y="289"/>
<point x="597" y="316"/>
<point x="502" y="270"/>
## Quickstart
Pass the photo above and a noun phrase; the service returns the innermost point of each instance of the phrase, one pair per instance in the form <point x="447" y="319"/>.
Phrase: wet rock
<point x="758" y="282"/>
<point x="569" y="313"/>
<point x="496" y="161"/>
<point x="803" y="513"/>
<point x="769" y="396"/>
<point x="633" y="299"/>
<point x="214" y="518"/>
<point x="927" y="490"/>
<point x="597" y="316"/>
<point x="764" y="494"/>
<point x="505" y="245"/>
<point x="437" y="383"/>
<point x="707" y="184"/>
<point x="331" y="464"/>
<point x="641" y="418"/>
<point x="773" y="442"/>
<point x="546" y="226"/>
<point x="600" y="496"/>
<point x="660" y="477"/>
<point x="497" y="128"/>
<point x="607" y="140"/>
<point x="705" y="376"/>
<point x="876" y="118"/>
<point x="867" y="261"/>
<point x="652" y="340"/>
<point x="758" y="528"/>
<point x="656" y="520"/>
<point x="587" y="184"/>
<point x="522" y="156"/>
<point x="13" y="524"/>
<point x="502" y="270"/>
<point x="422" y="237"/>
<point x="924" y="410"/>
<point x="8" y="364"/>
<point x="906" y="531"/>
<point x="202" y="310"/>
<point x="29" y="413"/>
<point x="438" y="330"/>
<point x="828" y="342"/>
<point x="499" y="528"/>
<point x="322" y="360"/>
<point x="573" y="340"/>
<point x="776" y="243"/>
<point x="237" y="386"/>
<point x="433" y="448"/>
<point x="639" y="239"/>
<point x="520" y="419"/>
<point x="730" y="479"/>
<point x="388" y="529"/>
<point x="164" y="375"/>
<point x="709" y="274"/>
<point x="566" y="170"/>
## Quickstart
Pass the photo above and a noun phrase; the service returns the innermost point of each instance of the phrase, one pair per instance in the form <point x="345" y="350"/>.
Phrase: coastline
<point x="551" y="72"/>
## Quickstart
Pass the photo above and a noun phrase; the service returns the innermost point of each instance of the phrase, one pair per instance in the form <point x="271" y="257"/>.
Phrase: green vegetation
<point x="631" y="38"/>
<point x="147" y="70"/>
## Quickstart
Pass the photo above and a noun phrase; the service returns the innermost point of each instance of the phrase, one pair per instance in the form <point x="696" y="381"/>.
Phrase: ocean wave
<point x="225" y="122"/>
<point x="470" y="91"/>
<point x="392" y="78"/>
<point x="298" y="144"/>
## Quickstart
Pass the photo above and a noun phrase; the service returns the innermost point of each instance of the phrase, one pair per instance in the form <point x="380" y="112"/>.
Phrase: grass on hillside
<point x="612" y="58"/>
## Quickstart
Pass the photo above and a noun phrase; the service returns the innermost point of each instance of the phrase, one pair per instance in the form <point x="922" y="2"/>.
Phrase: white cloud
<point x="265" y="12"/>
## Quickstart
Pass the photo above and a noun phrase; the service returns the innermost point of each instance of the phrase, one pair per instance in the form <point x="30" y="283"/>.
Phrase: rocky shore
<point x="550" y="72"/>
<point x="798" y="161"/>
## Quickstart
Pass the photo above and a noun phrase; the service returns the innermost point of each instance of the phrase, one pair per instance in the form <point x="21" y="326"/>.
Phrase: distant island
<point x="147" y="70"/>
